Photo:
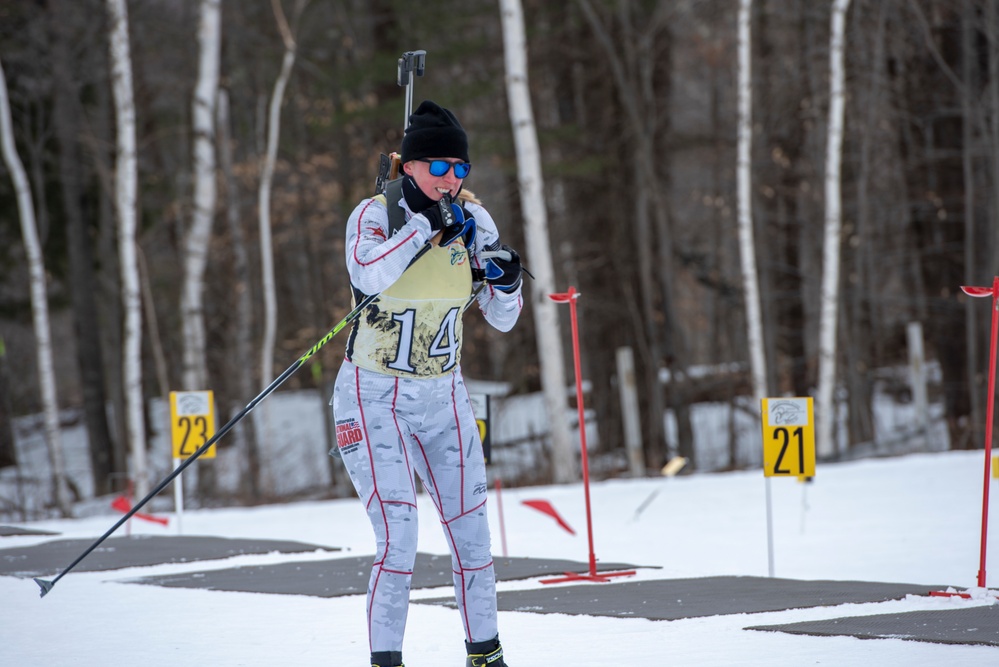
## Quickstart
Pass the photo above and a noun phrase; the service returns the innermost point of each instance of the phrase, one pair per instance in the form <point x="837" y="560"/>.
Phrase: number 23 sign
<point x="788" y="437"/>
<point x="192" y="422"/>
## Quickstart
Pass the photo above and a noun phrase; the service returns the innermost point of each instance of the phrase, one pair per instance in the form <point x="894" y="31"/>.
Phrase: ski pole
<point x="46" y="585"/>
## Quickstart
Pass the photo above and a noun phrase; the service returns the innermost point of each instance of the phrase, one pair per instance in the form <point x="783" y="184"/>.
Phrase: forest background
<point x="653" y="247"/>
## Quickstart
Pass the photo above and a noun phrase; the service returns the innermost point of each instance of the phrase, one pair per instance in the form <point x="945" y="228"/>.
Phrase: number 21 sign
<point x="788" y="437"/>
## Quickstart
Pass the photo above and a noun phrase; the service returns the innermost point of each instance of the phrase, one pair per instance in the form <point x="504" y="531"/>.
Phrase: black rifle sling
<point x="393" y="194"/>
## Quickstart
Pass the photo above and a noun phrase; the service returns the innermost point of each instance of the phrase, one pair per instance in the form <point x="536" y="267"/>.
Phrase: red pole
<point x="990" y="410"/>
<point x="571" y="297"/>
<point x="990" y="413"/>
<point x="582" y="427"/>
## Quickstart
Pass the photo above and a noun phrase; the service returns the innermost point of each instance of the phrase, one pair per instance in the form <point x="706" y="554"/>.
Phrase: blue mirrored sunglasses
<point x="440" y="167"/>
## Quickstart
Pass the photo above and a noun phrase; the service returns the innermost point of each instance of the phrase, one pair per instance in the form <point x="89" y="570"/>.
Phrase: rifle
<point x="410" y="63"/>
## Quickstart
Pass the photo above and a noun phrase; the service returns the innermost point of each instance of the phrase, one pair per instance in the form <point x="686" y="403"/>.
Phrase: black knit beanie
<point x="434" y="132"/>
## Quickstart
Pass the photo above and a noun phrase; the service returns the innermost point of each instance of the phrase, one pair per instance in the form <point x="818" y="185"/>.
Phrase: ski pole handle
<point x="504" y="255"/>
<point x="498" y="254"/>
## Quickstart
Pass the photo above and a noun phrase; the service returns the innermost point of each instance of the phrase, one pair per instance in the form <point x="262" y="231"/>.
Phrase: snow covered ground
<point x="914" y="519"/>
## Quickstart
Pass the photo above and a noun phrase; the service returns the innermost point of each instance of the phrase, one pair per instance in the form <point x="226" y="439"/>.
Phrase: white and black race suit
<point x="401" y="406"/>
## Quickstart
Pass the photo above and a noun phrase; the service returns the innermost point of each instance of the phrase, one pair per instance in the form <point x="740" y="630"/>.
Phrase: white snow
<point x="913" y="519"/>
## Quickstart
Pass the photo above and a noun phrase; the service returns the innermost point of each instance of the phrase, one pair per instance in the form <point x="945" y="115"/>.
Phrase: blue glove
<point x="463" y="227"/>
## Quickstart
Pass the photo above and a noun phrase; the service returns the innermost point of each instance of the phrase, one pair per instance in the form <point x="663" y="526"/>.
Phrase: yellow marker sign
<point x="788" y="437"/>
<point x="192" y="422"/>
<point x="480" y="408"/>
<point x="995" y="466"/>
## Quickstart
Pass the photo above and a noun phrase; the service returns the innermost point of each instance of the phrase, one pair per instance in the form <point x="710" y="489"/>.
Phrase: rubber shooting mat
<point x="348" y="576"/>
<point x="135" y="551"/>
<point x="673" y="599"/>
<point x="13" y="531"/>
<point x="973" y="625"/>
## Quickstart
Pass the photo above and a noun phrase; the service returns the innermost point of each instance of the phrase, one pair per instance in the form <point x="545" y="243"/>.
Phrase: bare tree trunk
<point x="8" y="452"/>
<point x="195" y="370"/>
<point x="37" y="137"/>
<point x="863" y="329"/>
<point x="198" y="237"/>
<point x="152" y="325"/>
<point x="110" y="308"/>
<point x="658" y="450"/>
<point x="264" y="206"/>
<point x="125" y="205"/>
<point x="633" y="62"/>
<point x="992" y="31"/>
<point x="39" y="303"/>
<point x="547" y="329"/>
<point x="67" y="116"/>
<point x="991" y="241"/>
<point x="829" y="296"/>
<point x="747" y="239"/>
<point x="971" y="276"/>
<point x="244" y="431"/>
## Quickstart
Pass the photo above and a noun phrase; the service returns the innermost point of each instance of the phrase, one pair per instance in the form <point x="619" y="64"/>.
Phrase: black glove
<point x="504" y="274"/>
<point x="438" y="213"/>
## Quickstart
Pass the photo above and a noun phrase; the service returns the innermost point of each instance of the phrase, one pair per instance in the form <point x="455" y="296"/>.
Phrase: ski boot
<point x="387" y="659"/>
<point x="485" y="654"/>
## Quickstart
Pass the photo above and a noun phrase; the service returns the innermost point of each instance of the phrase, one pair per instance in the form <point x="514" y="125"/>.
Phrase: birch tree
<point x="747" y="241"/>
<point x="39" y="302"/>
<point x="264" y="199"/>
<point x="125" y="187"/>
<point x="195" y="369"/>
<point x="547" y="329"/>
<point x="829" y="295"/>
